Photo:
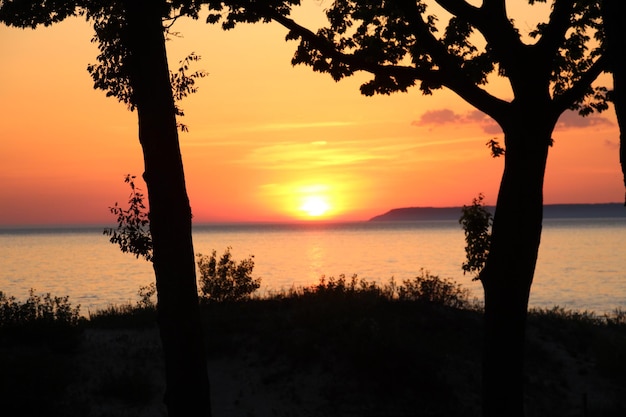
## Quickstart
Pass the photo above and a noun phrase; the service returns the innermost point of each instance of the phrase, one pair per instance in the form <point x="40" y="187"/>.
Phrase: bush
<point x="423" y="288"/>
<point x="140" y="314"/>
<point x="344" y="286"/>
<point x="431" y="288"/>
<point x="224" y="279"/>
<point x="41" y="318"/>
<point x="37" y="308"/>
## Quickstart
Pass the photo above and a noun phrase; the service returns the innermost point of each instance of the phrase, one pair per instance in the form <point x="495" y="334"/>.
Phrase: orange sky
<point x="264" y="136"/>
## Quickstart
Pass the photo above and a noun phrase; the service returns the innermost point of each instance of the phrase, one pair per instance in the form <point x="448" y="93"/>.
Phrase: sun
<point x="315" y="206"/>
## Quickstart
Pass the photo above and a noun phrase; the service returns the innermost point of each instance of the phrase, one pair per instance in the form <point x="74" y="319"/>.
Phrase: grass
<point x="343" y="347"/>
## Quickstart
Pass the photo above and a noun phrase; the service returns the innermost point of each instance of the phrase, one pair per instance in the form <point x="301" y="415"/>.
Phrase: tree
<point x="133" y="68"/>
<point x="552" y="71"/>
<point x="170" y="212"/>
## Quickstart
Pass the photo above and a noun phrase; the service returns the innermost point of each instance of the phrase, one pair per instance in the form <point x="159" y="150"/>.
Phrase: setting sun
<point x="315" y="206"/>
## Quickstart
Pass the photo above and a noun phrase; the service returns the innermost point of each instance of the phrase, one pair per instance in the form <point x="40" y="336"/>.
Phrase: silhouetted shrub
<point x="37" y="308"/>
<point x="39" y="319"/>
<point x="224" y="279"/>
<point x="431" y="288"/>
<point x="141" y="314"/>
<point x="425" y="287"/>
<point x="352" y="286"/>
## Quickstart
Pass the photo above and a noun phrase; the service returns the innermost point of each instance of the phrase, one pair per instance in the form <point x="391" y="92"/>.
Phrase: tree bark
<point x="614" y="18"/>
<point x="510" y="266"/>
<point x="187" y="382"/>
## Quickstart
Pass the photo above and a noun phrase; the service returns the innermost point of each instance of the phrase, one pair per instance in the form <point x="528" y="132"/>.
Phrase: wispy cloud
<point x="246" y="135"/>
<point x="443" y="117"/>
<point x="572" y="120"/>
<point x="322" y="154"/>
<point x="304" y="125"/>
<point x="298" y="157"/>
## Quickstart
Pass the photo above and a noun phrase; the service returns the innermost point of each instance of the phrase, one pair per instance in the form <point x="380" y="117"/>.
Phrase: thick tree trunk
<point x="510" y="267"/>
<point x="614" y="17"/>
<point x="170" y="214"/>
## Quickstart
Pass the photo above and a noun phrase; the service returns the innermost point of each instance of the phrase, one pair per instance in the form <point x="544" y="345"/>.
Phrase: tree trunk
<point x="187" y="392"/>
<point x="614" y="18"/>
<point x="508" y="272"/>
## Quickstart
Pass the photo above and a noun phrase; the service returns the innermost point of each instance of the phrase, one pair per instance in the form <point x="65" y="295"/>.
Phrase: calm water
<point x="582" y="263"/>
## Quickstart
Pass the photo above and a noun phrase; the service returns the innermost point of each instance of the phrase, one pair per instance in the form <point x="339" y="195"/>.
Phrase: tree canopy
<point x="402" y="44"/>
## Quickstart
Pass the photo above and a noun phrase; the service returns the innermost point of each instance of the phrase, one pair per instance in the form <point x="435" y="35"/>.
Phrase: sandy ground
<point x="241" y="385"/>
<point x="112" y="364"/>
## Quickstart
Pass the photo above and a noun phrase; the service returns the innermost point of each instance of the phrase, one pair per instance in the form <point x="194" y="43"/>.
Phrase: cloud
<point x="572" y="120"/>
<point x="321" y="154"/>
<point x="442" y="117"/>
<point x="613" y="145"/>
<point x="437" y="117"/>
<point x="305" y="125"/>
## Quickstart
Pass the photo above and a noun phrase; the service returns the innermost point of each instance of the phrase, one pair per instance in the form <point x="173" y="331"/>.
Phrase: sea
<point x="581" y="265"/>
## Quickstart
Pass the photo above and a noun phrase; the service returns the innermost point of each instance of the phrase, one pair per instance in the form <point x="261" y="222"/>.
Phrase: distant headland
<point x="550" y="211"/>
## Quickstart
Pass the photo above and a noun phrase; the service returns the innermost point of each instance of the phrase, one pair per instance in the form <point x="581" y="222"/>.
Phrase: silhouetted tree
<point x="170" y="212"/>
<point x="133" y="68"/>
<point x="614" y="16"/>
<point x="402" y="45"/>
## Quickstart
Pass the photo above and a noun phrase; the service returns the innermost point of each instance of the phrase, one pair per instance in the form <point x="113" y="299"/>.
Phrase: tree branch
<point x="422" y="33"/>
<point x="329" y="50"/>
<point x="461" y="8"/>
<point x="554" y="32"/>
<point x="452" y="79"/>
<point x="496" y="27"/>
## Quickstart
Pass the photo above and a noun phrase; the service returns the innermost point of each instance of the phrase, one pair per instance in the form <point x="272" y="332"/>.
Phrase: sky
<point x="267" y="141"/>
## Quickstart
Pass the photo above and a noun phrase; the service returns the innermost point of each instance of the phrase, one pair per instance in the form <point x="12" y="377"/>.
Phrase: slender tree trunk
<point x="614" y="17"/>
<point x="170" y="214"/>
<point x="510" y="266"/>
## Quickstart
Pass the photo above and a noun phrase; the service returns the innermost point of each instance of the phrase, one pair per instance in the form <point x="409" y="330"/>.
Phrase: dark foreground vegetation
<point x="344" y="347"/>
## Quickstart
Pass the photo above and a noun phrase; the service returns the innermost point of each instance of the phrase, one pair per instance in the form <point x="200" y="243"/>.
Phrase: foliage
<point x="476" y="221"/>
<point x="432" y="289"/>
<point x="133" y="233"/>
<point x="184" y="83"/>
<point x="146" y="294"/>
<point x="402" y="43"/>
<point x="495" y="148"/>
<point x="140" y="314"/>
<point x="30" y="14"/>
<point x="225" y="279"/>
<point x="111" y="72"/>
<point x="41" y="319"/>
<point x="422" y="288"/>
<point x="37" y="309"/>
<point x="350" y="287"/>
